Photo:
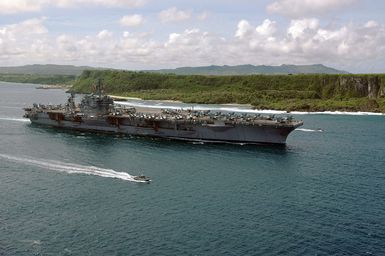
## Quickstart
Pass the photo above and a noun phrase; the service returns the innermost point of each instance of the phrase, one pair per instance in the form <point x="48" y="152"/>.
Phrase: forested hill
<point x="48" y="69"/>
<point x="251" y="69"/>
<point x="66" y="74"/>
<point x="52" y="69"/>
<point x="318" y="92"/>
<point x="43" y="74"/>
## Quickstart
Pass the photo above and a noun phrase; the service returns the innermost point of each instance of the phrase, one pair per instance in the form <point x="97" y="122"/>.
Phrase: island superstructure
<point x="99" y="113"/>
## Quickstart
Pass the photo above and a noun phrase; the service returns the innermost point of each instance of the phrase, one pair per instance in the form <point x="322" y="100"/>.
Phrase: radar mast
<point x="99" y="88"/>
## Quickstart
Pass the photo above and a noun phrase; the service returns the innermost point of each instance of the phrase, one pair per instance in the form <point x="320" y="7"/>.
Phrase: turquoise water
<point x="322" y="194"/>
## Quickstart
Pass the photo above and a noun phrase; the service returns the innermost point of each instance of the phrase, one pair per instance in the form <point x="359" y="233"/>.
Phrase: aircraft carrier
<point x="98" y="113"/>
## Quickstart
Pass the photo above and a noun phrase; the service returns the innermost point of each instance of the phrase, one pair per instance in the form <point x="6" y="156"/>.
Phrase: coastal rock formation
<point x="361" y="86"/>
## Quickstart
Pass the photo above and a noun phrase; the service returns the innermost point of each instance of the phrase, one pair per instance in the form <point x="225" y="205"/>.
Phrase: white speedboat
<point x="142" y="178"/>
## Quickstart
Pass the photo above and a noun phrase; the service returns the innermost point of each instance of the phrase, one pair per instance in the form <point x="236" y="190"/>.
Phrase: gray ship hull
<point x="98" y="113"/>
<point x="173" y="129"/>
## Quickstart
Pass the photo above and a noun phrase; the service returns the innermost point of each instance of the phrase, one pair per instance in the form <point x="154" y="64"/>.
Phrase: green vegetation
<point x="317" y="92"/>
<point x="38" y="79"/>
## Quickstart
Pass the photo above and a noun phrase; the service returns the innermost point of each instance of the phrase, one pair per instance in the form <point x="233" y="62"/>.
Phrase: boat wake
<point x="308" y="130"/>
<point x="24" y="120"/>
<point x="71" y="168"/>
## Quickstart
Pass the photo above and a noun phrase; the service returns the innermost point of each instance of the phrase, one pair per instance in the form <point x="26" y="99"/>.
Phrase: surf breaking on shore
<point x="231" y="108"/>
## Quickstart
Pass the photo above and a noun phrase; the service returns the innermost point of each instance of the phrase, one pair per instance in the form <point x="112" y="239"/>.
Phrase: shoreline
<point x="123" y="98"/>
<point x="247" y="108"/>
<point x="232" y="107"/>
<point x="54" y="86"/>
<point x="243" y="108"/>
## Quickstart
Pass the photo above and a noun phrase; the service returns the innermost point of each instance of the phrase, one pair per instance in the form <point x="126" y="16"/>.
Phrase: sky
<point x="155" y="34"/>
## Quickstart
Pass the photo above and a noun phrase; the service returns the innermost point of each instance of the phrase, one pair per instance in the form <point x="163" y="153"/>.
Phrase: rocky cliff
<point x="361" y="86"/>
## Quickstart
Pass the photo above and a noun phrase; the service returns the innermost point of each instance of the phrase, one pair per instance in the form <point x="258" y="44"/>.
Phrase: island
<point x="296" y="92"/>
<point x="310" y="88"/>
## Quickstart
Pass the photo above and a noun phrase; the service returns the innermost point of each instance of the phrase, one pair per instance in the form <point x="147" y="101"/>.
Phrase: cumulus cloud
<point x="244" y="29"/>
<point x="104" y="34"/>
<point x="193" y="47"/>
<point x="306" y="41"/>
<point x="64" y="43"/>
<point x="267" y="28"/>
<point x="307" y="8"/>
<point x="110" y="3"/>
<point x="371" y="24"/>
<point x="173" y="14"/>
<point x="298" y="28"/>
<point x="27" y="27"/>
<point x="18" y="6"/>
<point x="132" y="20"/>
<point x="303" y="41"/>
<point x="258" y="36"/>
<point x="15" y="39"/>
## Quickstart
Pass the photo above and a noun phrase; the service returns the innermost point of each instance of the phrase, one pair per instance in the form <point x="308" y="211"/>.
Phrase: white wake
<point x="309" y="130"/>
<point x="70" y="168"/>
<point x="24" y="120"/>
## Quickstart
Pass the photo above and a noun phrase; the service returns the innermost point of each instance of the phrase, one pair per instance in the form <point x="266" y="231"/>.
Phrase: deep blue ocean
<point x="64" y="193"/>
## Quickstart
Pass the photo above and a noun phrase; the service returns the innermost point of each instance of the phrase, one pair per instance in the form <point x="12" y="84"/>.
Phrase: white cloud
<point x="306" y="41"/>
<point x="244" y="29"/>
<point x="173" y="14"/>
<point x="307" y="8"/>
<point x="65" y="43"/>
<point x="193" y="47"/>
<point x="188" y="37"/>
<point x="19" y="6"/>
<point x="258" y="36"/>
<point x="134" y="20"/>
<point x="371" y="24"/>
<point x="303" y="41"/>
<point x="104" y="34"/>
<point x="299" y="28"/>
<point x="108" y="3"/>
<point x="267" y="28"/>
<point x="16" y="39"/>
<point x="27" y="27"/>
